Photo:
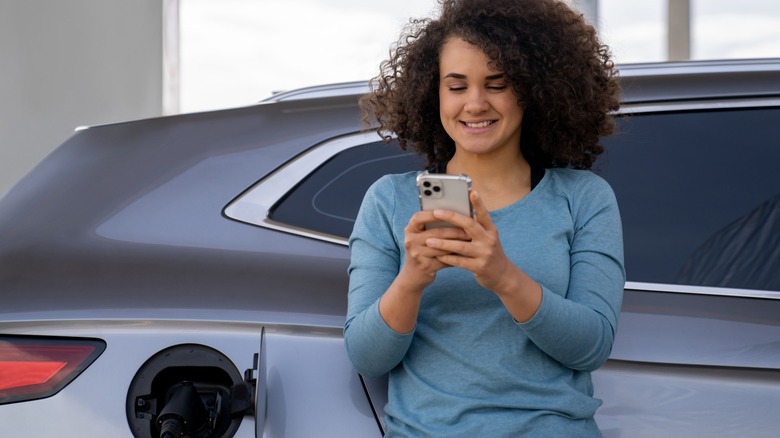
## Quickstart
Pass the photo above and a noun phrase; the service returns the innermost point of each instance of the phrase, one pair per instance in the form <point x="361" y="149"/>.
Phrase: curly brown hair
<point x="562" y="74"/>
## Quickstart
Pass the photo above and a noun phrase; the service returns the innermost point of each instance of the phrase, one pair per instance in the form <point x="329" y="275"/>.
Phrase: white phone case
<point x="444" y="192"/>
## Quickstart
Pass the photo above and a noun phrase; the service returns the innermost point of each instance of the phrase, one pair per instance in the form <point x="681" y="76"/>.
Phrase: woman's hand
<point x="480" y="252"/>
<point x="400" y="304"/>
<point x="423" y="261"/>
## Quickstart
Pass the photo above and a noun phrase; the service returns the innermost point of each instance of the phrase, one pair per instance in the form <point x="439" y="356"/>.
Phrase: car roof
<point x="641" y="83"/>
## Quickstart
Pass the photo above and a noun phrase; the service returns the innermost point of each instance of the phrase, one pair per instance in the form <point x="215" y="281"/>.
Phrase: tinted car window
<point x="328" y="199"/>
<point x="699" y="195"/>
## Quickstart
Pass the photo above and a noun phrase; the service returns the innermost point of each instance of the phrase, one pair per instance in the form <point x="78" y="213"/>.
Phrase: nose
<point x="476" y="102"/>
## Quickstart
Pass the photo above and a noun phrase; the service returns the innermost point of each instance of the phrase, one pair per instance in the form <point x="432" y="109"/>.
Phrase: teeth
<point x="479" y="125"/>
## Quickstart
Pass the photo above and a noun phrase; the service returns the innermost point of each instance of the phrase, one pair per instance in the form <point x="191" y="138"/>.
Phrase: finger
<point x="427" y="251"/>
<point x="416" y="230"/>
<point x="448" y="233"/>
<point x="416" y="243"/>
<point x="473" y="229"/>
<point x="448" y="246"/>
<point x="418" y="221"/>
<point x="481" y="213"/>
<point x="453" y="260"/>
<point x="425" y="258"/>
<point x="456" y="219"/>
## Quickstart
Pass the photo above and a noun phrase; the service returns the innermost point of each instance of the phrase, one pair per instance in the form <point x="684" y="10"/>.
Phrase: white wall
<point x="69" y="63"/>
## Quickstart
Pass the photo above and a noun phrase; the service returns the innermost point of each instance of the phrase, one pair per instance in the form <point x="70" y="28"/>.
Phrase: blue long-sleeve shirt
<point x="468" y="368"/>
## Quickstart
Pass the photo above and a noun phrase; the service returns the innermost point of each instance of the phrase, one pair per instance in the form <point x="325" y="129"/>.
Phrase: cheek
<point x="442" y="107"/>
<point x="511" y="109"/>
<point x="448" y="109"/>
<point x="444" y="114"/>
<point x="448" y="122"/>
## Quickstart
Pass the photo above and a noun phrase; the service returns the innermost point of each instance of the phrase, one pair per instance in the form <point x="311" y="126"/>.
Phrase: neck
<point x="500" y="181"/>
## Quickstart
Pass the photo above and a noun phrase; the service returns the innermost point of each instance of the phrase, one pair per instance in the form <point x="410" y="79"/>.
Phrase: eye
<point x="456" y="88"/>
<point x="497" y="87"/>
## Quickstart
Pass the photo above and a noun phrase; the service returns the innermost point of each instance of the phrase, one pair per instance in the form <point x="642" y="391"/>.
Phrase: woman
<point x="491" y="327"/>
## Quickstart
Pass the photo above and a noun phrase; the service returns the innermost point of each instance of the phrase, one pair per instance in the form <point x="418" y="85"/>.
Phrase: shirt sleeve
<point x="578" y="328"/>
<point x="373" y="347"/>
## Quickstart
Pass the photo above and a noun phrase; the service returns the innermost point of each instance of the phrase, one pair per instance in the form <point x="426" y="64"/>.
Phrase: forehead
<point x="459" y="56"/>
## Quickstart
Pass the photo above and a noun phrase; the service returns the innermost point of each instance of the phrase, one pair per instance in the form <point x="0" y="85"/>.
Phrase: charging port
<point x="189" y="391"/>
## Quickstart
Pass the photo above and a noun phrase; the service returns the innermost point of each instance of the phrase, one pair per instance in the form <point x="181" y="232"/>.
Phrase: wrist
<point x="511" y="282"/>
<point x="413" y="282"/>
<point x="521" y="295"/>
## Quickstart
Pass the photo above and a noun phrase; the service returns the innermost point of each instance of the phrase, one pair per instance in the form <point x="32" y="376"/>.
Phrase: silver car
<point x="186" y="275"/>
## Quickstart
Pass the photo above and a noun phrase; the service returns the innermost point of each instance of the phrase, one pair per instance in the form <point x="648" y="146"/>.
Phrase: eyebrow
<point x="462" y="76"/>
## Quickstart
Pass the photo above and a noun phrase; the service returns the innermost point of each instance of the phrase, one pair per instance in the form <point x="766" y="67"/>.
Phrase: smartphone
<point x="444" y="192"/>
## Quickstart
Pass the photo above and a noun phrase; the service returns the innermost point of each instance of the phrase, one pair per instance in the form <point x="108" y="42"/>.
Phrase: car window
<point x="699" y="195"/>
<point x="328" y="199"/>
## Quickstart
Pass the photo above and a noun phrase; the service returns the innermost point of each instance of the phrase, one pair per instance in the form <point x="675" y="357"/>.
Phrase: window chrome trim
<point x="702" y="290"/>
<point x="254" y="205"/>
<point x="699" y="105"/>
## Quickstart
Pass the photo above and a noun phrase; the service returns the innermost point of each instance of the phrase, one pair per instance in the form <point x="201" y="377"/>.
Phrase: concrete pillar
<point x="69" y="63"/>
<point x="679" y="30"/>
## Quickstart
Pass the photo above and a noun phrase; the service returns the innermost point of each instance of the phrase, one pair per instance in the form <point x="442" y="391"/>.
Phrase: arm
<point x="384" y="293"/>
<point x="372" y="345"/>
<point x="576" y="327"/>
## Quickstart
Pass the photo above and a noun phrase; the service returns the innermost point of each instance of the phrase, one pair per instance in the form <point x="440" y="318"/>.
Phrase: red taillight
<point x="33" y="368"/>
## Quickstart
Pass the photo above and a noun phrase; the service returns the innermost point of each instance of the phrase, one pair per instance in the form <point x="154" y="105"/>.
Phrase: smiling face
<point x="478" y="108"/>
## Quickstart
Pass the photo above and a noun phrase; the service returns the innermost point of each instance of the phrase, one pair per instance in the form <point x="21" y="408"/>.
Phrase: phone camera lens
<point x="436" y="189"/>
<point x="428" y="193"/>
<point x="426" y="183"/>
